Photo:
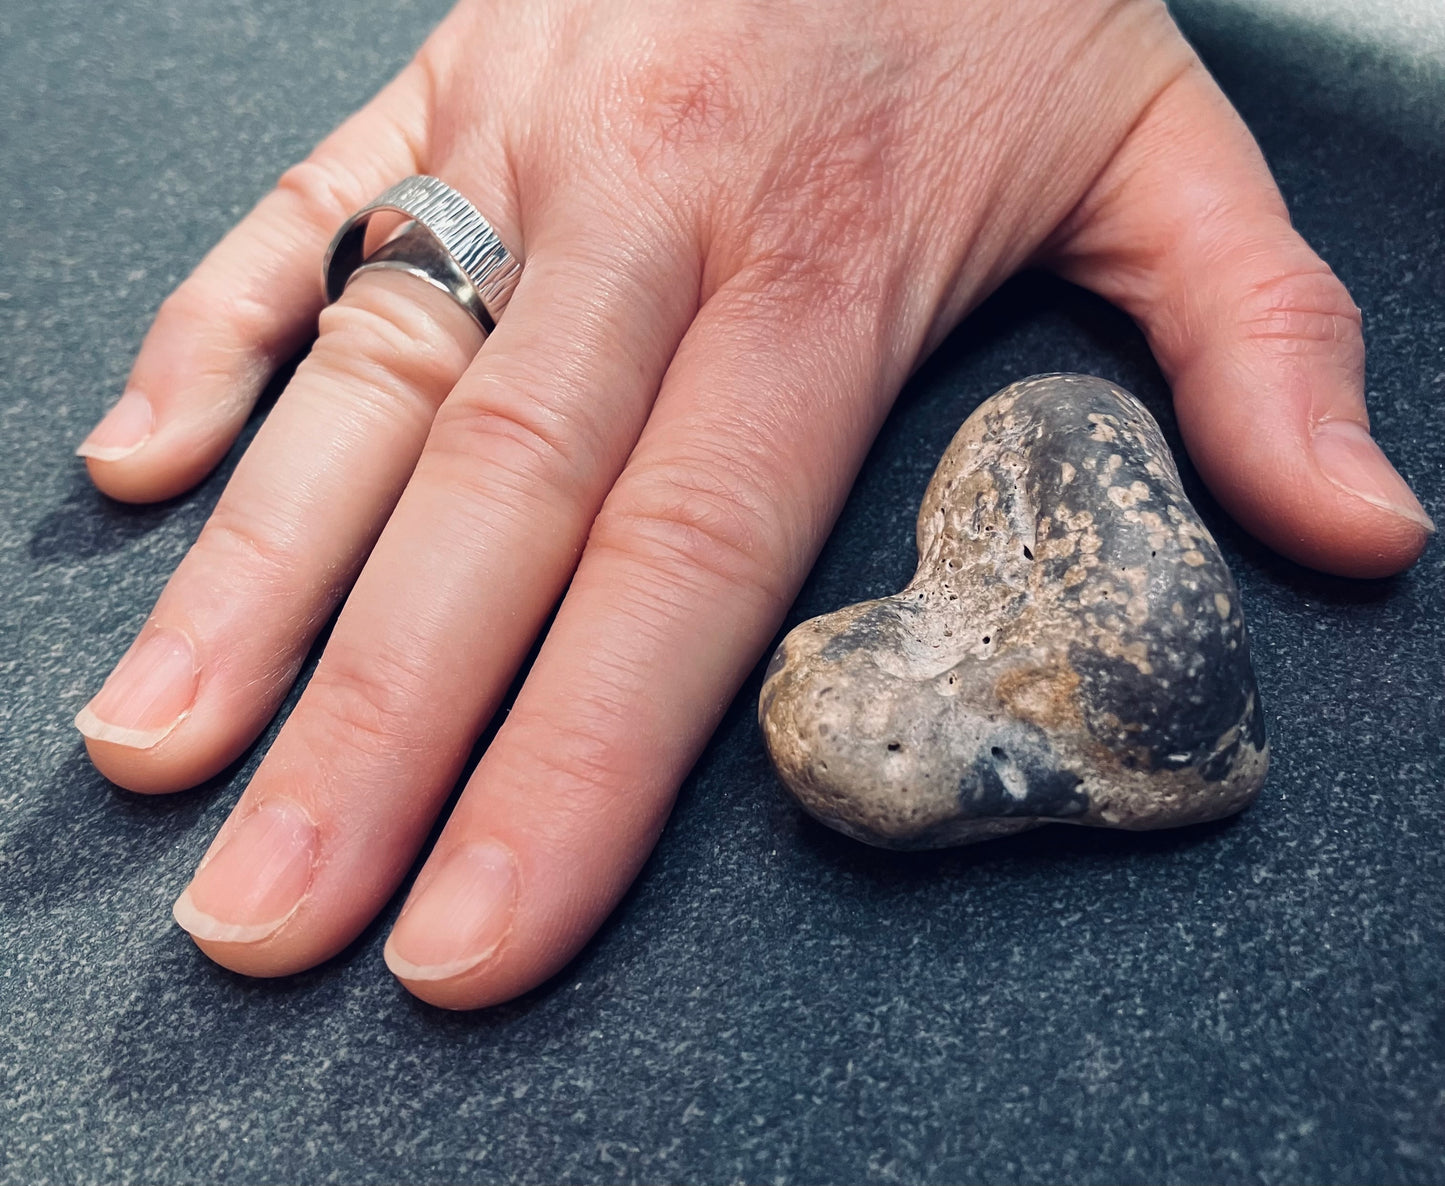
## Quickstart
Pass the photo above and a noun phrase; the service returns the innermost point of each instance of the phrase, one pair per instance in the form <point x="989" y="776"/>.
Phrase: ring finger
<point x="306" y="503"/>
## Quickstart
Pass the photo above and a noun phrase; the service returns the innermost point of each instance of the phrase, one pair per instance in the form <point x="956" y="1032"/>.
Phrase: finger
<point x="1261" y="343"/>
<point x="286" y="540"/>
<point x="688" y="572"/>
<point x="249" y="306"/>
<point x="463" y="577"/>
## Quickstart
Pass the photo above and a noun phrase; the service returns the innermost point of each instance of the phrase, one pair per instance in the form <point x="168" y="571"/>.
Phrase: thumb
<point x="1260" y="342"/>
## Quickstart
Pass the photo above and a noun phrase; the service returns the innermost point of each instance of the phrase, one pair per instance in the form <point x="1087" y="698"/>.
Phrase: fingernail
<point x="460" y="917"/>
<point x="147" y="695"/>
<point x="1351" y="460"/>
<point x="253" y="884"/>
<point x="123" y="430"/>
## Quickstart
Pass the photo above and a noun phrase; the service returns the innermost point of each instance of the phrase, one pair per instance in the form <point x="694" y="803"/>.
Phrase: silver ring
<point x="447" y="243"/>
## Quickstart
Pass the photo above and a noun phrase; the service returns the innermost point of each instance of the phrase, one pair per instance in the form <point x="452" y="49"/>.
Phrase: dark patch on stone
<point x="1217" y="767"/>
<point x="1255" y="731"/>
<point x="989" y="786"/>
<point x="1168" y="720"/>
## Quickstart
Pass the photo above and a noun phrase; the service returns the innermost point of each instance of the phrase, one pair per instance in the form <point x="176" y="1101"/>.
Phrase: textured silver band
<point x="474" y="267"/>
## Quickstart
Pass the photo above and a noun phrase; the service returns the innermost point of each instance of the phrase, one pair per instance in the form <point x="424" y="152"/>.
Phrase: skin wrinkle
<point x="402" y="348"/>
<point x="784" y="411"/>
<point x="696" y="533"/>
<point x="360" y="709"/>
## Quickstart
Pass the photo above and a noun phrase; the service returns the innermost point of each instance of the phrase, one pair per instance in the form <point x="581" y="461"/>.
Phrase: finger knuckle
<point x="318" y="193"/>
<point x="795" y="280"/>
<point x="510" y="428"/>
<point x="187" y="311"/>
<point x="367" y="704"/>
<point x="826" y="236"/>
<point x="239" y="543"/>
<point x="593" y="768"/>
<point x="576" y="762"/>
<point x="711" y="517"/>
<point x="206" y="307"/>
<point x="382" y="338"/>
<point x="1304" y="305"/>
<point x="321" y="190"/>
<point x="240" y="559"/>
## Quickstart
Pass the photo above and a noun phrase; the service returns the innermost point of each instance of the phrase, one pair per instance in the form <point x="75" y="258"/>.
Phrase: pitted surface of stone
<point x="1070" y="649"/>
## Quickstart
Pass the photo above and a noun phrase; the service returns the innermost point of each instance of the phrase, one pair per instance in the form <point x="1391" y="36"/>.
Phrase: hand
<point x="743" y="225"/>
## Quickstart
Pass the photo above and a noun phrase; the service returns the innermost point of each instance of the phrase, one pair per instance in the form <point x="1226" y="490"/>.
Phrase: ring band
<point x="415" y="251"/>
<point x="447" y="243"/>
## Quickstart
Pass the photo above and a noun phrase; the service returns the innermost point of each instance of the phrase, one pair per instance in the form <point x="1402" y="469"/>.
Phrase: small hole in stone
<point x="952" y="680"/>
<point x="1153" y="553"/>
<point x="894" y="747"/>
<point x="986" y="637"/>
<point x="996" y="752"/>
<point x="1028" y="555"/>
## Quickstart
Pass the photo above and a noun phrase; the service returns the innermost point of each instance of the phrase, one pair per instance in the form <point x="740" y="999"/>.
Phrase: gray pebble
<point x="1071" y="648"/>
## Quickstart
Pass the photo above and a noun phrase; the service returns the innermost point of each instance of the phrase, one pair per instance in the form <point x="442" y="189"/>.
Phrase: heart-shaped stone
<point x="1070" y="650"/>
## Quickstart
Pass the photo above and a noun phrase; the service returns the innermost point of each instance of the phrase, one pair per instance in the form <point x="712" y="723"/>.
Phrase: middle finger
<point x="289" y="534"/>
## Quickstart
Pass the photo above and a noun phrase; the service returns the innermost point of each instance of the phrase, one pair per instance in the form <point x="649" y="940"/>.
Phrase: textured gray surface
<point x="1255" y="1001"/>
<point x="1377" y="60"/>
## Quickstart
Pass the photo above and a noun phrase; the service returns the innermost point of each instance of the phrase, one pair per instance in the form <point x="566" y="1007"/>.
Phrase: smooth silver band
<point x="415" y="251"/>
<point x="447" y="243"/>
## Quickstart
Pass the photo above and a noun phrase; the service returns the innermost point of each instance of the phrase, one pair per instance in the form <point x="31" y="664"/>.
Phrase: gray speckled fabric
<point x="1254" y="1001"/>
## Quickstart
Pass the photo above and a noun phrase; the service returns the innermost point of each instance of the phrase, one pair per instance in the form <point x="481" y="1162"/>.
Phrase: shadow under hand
<point x="83" y="834"/>
<point x="88" y="524"/>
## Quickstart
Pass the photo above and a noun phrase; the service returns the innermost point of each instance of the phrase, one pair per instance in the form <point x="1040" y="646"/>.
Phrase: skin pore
<point x="743" y="225"/>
